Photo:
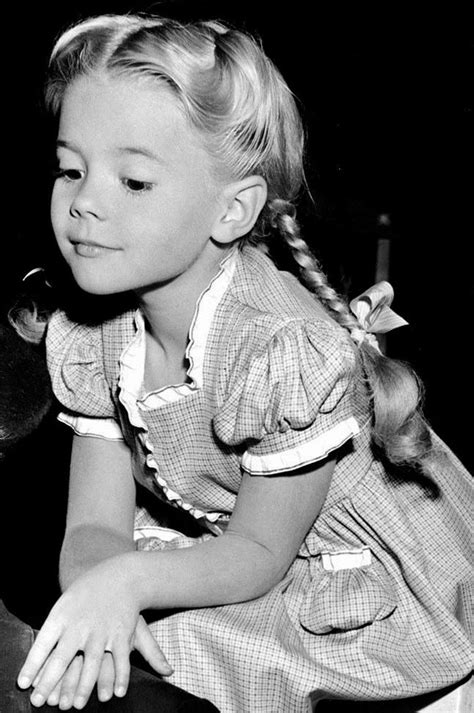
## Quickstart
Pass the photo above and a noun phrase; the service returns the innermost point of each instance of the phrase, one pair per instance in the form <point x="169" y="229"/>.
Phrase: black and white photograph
<point x="236" y="363"/>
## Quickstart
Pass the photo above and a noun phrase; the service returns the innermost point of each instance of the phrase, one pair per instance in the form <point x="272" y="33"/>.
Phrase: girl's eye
<point x="134" y="186"/>
<point x="68" y="174"/>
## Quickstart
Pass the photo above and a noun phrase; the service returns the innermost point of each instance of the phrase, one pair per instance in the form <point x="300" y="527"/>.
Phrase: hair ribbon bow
<point x="373" y="312"/>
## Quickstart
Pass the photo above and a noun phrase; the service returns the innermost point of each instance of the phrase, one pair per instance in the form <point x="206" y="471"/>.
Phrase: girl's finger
<point x="146" y="644"/>
<point x="121" y="654"/>
<point x="42" y="647"/>
<point x="93" y="655"/>
<point x="52" y="673"/>
<point x="106" y="680"/>
<point x="38" y="675"/>
<point x="69" y="683"/>
<point x="53" y="698"/>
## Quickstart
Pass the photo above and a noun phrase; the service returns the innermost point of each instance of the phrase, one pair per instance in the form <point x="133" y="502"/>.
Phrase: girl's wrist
<point x="131" y="568"/>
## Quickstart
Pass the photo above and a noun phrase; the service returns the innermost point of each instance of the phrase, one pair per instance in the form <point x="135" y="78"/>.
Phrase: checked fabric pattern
<point x="376" y="604"/>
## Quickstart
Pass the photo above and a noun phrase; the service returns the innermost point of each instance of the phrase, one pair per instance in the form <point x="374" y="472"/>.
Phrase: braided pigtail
<point x="398" y="428"/>
<point x="284" y="220"/>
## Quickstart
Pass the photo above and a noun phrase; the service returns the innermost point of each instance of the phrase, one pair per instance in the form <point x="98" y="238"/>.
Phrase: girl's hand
<point x="65" y="691"/>
<point x="97" y="614"/>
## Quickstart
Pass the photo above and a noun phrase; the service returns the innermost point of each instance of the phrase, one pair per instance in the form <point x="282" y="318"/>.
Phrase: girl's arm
<point x="101" y="506"/>
<point x="270" y="521"/>
<point x="108" y="583"/>
<point x="99" y="525"/>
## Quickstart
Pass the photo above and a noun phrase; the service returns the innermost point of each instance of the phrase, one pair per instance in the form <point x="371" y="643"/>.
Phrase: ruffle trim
<point x="301" y="455"/>
<point x="132" y="361"/>
<point x="133" y="356"/>
<point x="154" y="538"/>
<point x="106" y="428"/>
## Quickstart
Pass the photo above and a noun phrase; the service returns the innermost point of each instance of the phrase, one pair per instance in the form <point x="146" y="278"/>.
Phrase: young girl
<point x="322" y="544"/>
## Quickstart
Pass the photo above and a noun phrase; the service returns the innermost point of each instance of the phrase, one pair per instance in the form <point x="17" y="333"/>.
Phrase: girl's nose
<point x="86" y="202"/>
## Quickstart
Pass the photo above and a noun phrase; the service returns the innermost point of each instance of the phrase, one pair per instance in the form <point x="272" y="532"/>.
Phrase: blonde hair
<point x="230" y="91"/>
<point x="247" y="117"/>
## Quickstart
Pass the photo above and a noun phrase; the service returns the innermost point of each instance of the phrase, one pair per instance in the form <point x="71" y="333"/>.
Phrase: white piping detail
<point x="346" y="559"/>
<point x="106" y="428"/>
<point x="302" y="455"/>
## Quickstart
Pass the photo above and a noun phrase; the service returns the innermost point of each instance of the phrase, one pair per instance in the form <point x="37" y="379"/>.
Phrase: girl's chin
<point x="97" y="285"/>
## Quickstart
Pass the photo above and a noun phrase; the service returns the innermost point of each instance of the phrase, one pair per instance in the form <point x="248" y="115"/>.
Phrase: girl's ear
<point x="243" y="202"/>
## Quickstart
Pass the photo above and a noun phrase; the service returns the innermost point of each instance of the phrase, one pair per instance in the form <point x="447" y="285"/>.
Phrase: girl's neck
<point x="169" y="308"/>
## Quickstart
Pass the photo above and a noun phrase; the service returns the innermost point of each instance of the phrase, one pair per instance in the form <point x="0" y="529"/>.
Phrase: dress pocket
<point x="349" y="591"/>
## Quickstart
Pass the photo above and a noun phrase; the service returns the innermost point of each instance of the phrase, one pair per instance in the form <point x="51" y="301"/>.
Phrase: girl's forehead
<point x="117" y="108"/>
<point x="111" y="118"/>
<point x="131" y="97"/>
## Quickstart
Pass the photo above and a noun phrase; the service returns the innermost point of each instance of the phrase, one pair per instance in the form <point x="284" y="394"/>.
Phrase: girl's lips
<point x="91" y="249"/>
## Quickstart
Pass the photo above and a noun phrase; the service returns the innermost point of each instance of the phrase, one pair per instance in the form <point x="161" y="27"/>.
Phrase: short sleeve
<point x="290" y="404"/>
<point x="75" y="363"/>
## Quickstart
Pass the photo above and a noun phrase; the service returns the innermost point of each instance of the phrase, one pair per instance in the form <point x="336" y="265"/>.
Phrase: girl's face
<point x="134" y="203"/>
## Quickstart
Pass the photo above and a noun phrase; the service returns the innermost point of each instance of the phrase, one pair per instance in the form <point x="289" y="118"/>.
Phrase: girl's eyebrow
<point x="140" y="151"/>
<point x="62" y="144"/>
<point x="131" y="150"/>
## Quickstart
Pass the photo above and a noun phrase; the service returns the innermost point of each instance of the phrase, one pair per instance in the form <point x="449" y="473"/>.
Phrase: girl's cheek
<point x="59" y="230"/>
<point x="58" y="211"/>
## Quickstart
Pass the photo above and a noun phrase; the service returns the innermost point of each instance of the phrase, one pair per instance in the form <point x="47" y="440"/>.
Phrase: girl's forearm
<point x="86" y="546"/>
<point x="262" y="540"/>
<point x="225" y="570"/>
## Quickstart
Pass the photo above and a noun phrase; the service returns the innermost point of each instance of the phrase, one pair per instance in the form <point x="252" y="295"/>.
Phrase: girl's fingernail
<point x="120" y="691"/>
<point x="23" y="681"/>
<point x="64" y="703"/>
<point x="79" y="702"/>
<point x="104" y="695"/>
<point x="37" y="699"/>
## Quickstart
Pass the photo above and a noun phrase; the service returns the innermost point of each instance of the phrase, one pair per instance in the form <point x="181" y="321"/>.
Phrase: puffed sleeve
<point x="75" y="363"/>
<point x="289" y="403"/>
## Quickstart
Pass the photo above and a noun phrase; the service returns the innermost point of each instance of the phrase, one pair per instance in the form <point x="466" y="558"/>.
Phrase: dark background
<point x="387" y="100"/>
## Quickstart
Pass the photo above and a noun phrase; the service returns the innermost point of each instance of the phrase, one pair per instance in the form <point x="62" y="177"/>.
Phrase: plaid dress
<point x="376" y="604"/>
